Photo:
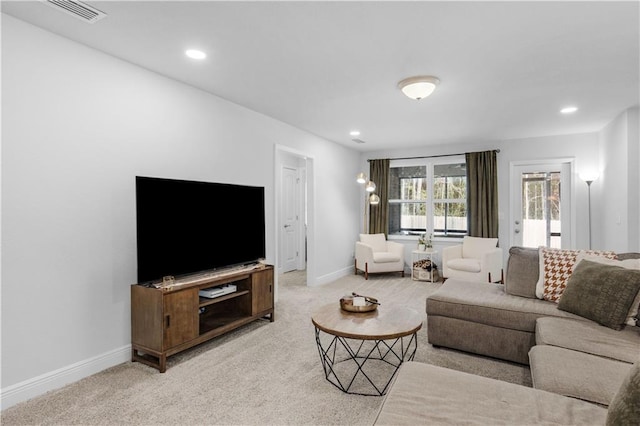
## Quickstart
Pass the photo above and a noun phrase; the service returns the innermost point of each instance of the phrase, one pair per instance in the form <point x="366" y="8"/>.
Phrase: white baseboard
<point x="12" y="395"/>
<point x="324" y="279"/>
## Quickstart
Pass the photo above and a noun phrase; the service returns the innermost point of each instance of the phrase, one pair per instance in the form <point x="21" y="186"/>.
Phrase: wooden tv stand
<point x="168" y="320"/>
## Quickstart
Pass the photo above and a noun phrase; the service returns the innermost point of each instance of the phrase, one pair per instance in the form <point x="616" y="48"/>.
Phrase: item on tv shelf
<point x="218" y="291"/>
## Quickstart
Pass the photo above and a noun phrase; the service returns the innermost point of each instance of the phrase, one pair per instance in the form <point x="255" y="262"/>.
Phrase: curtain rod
<point x="497" y="151"/>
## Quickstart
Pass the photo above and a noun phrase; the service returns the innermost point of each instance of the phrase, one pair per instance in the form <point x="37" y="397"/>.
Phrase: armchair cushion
<point x="462" y="264"/>
<point x="385" y="257"/>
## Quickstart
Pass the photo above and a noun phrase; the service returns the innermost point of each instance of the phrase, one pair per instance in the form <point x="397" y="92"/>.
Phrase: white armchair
<point x="374" y="254"/>
<point x="476" y="259"/>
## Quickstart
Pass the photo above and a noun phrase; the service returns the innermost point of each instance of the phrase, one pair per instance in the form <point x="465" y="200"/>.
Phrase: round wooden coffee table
<point x="361" y="352"/>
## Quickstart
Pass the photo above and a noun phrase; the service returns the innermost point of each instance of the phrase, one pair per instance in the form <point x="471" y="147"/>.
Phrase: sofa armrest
<point x="448" y="253"/>
<point x="364" y="253"/>
<point x="452" y="252"/>
<point x="491" y="262"/>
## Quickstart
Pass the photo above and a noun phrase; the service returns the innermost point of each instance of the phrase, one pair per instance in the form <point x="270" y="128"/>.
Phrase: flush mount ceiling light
<point x="195" y="54"/>
<point x="418" y="87"/>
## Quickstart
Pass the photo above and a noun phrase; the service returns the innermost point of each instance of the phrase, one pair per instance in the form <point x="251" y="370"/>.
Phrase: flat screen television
<point x="186" y="227"/>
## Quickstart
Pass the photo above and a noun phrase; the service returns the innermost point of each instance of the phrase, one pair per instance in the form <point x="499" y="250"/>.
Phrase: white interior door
<point x="541" y="204"/>
<point x="289" y="234"/>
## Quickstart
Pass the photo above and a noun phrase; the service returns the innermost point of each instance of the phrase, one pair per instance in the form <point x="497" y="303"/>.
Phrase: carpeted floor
<point x="262" y="374"/>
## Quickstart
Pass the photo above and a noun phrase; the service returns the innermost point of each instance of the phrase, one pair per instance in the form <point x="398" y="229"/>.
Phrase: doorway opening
<point x="294" y="218"/>
<point x="541" y="204"/>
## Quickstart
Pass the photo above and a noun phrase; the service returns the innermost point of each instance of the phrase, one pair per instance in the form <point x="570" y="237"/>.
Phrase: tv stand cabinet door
<point x="180" y="317"/>
<point x="262" y="291"/>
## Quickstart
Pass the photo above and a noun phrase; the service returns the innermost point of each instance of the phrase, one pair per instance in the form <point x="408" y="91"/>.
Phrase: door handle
<point x="517" y="231"/>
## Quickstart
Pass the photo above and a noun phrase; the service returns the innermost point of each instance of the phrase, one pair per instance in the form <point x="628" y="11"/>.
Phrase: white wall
<point x="78" y="126"/>
<point x="618" y="184"/>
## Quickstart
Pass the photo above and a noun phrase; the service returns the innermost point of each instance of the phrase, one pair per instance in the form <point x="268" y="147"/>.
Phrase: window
<point x="407" y="200"/>
<point x="428" y="196"/>
<point x="541" y="209"/>
<point x="449" y="200"/>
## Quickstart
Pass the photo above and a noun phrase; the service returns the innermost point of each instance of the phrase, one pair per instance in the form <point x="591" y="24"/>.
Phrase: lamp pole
<point x="589" y="182"/>
<point x="364" y="217"/>
<point x="369" y="187"/>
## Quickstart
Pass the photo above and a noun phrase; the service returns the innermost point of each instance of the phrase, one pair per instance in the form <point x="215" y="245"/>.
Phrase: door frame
<point x="297" y="193"/>
<point x="309" y="182"/>
<point x="515" y="189"/>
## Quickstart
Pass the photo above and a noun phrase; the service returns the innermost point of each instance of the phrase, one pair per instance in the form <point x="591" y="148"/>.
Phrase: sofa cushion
<point x="589" y="337"/>
<point x="576" y="374"/>
<point x="602" y="293"/>
<point x="385" y="257"/>
<point x="523" y="268"/>
<point x="428" y="395"/>
<point x="378" y="242"/>
<point x="475" y="247"/>
<point x="556" y="266"/>
<point x="625" y="263"/>
<point x="487" y="303"/>
<point x="625" y="407"/>
<point x="462" y="264"/>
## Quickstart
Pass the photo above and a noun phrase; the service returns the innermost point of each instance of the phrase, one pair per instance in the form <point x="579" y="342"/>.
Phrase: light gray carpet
<point x="264" y="373"/>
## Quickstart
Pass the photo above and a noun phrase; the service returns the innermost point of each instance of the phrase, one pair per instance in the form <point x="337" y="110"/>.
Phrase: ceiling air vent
<point x="358" y="140"/>
<point x="78" y="9"/>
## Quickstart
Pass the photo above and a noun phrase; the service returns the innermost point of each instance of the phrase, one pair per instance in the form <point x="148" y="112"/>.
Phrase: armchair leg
<point x="355" y="266"/>
<point x="501" y="281"/>
<point x="366" y="271"/>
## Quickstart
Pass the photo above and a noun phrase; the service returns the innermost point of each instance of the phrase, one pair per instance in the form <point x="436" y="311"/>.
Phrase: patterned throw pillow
<point x="556" y="266"/>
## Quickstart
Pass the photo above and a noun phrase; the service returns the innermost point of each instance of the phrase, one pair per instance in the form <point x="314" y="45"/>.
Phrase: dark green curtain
<point x="482" y="194"/>
<point x="378" y="215"/>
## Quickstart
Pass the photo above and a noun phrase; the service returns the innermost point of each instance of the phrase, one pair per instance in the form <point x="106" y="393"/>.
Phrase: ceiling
<point x="506" y="68"/>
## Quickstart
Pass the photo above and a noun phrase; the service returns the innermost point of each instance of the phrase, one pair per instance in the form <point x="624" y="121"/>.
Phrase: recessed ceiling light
<point x="195" y="54"/>
<point x="354" y="133"/>
<point x="568" y="110"/>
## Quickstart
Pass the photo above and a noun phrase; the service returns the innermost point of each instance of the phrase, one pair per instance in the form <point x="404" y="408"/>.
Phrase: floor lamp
<point x="589" y="180"/>
<point x="369" y="198"/>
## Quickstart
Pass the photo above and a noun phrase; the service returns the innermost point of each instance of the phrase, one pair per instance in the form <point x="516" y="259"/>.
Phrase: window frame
<point x="429" y="164"/>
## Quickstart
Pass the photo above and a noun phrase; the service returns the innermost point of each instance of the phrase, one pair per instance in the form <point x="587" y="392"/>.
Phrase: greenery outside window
<point x="428" y="196"/>
<point x="449" y="200"/>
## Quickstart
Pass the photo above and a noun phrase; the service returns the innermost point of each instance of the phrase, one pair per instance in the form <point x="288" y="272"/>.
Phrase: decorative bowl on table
<point x="347" y="303"/>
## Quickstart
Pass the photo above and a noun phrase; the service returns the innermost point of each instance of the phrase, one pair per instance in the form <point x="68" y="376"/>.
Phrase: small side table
<point x="417" y="255"/>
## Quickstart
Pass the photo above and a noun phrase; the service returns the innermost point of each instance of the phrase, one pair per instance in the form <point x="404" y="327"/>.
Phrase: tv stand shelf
<point x="204" y="301"/>
<point x="168" y="320"/>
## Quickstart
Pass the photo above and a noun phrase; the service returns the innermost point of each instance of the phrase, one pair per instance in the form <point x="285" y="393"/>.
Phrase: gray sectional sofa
<point x="424" y="394"/>
<point x="568" y="355"/>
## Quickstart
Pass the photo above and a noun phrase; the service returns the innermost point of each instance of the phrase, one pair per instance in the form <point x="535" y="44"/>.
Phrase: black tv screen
<point x="185" y="227"/>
